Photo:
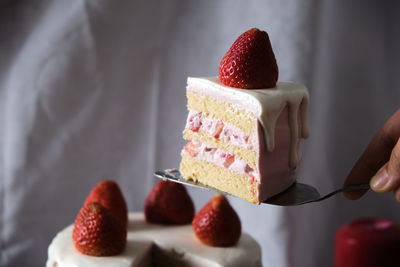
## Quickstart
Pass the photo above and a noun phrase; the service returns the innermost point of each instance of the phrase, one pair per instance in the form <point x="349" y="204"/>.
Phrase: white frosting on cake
<point x="266" y="104"/>
<point x="175" y="240"/>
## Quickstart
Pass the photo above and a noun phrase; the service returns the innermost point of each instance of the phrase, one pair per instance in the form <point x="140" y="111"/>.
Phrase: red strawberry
<point x="109" y="195"/>
<point x="195" y="122"/>
<point x="218" y="129"/>
<point x="252" y="179"/>
<point x="217" y="223"/>
<point x="229" y="159"/>
<point x="193" y="148"/>
<point x="169" y="203"/>
<point x="97" y="232"/>
<point x="250" y="62"/>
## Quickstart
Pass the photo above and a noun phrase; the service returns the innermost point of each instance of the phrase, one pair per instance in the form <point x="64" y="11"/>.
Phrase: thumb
<point x="378" y="152"/>
<point x="388" y="177"/>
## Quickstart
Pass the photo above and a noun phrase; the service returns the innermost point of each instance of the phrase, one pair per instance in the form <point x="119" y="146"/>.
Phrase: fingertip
<point x="397" y="194"/>
<point x="380" y="181"/>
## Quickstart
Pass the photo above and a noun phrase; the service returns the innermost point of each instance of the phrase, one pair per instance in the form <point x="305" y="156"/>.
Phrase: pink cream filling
<point x="225" y="132"/>
<point x="202" y="151"/>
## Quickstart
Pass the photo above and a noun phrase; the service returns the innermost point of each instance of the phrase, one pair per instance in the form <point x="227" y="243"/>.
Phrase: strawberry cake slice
<point x="244" y="128"/>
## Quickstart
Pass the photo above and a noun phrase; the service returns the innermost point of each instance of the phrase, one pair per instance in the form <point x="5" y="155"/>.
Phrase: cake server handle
<point x="346" y="189"/>
<point x="299" y="194"/>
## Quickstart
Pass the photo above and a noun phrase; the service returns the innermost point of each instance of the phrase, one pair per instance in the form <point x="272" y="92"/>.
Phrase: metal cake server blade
<point x="296" y="194"/>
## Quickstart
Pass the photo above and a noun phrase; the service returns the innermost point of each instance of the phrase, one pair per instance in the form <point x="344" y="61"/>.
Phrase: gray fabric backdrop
<point x="91" y="90"/>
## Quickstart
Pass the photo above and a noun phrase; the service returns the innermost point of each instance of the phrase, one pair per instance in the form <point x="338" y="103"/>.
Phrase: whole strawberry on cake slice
<point x="250" y="63"/>
<point x="244" y="128"/>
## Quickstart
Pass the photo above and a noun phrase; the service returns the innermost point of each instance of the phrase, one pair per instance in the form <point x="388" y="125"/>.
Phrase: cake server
<point x="297" y="194"/>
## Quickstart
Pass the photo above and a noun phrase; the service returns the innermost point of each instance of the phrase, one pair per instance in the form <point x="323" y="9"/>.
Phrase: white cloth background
<point x="93" y="90"/>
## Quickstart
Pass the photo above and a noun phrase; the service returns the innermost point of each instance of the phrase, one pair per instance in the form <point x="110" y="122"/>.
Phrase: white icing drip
<point x="268" y="105"/>
<point x="272" y="102"/>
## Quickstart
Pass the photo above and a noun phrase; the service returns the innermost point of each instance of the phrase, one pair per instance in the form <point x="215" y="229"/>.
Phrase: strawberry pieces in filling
<point x="203" y="151"/>
<point x="193" y="148"/>
<point x="229" y="159"/>
<point x="194" y="122"/>
<point x="198" y="122"/>
<point x="218" y="129"/>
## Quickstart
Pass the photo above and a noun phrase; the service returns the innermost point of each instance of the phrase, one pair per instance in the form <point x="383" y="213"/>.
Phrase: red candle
<point x="369" y="242"/>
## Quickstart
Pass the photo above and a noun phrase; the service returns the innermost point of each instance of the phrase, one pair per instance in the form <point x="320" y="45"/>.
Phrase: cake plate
<point x="296" y="194"/>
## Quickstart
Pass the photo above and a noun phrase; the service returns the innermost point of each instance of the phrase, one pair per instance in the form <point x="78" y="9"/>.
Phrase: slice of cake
<point x="245" y="141"/>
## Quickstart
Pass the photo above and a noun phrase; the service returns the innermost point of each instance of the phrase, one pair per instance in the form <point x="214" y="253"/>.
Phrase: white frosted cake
<point x="244" y="142"/>
<point x="156" y="245"/>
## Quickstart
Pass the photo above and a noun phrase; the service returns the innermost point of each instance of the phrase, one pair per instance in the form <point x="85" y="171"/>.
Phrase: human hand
<point x="380" y="163"/>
